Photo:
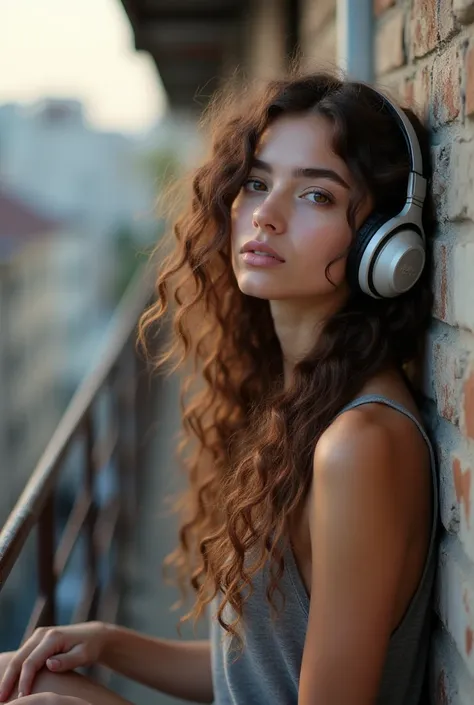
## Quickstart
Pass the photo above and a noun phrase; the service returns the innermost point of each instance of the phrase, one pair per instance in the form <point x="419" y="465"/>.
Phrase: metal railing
<point x="101" y="526"/>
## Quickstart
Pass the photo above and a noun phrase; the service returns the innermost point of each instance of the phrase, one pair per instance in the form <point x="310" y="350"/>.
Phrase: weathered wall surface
<point x="424" y="50"/>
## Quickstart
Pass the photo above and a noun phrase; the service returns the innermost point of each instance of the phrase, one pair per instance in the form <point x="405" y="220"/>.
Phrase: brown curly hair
<point x="252" y="440"/>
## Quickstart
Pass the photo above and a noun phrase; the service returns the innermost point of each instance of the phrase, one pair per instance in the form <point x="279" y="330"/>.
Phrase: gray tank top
<point x="267" y="671"/>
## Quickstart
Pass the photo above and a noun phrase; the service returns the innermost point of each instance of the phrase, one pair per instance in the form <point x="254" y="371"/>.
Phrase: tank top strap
<point x="381" y="399"/>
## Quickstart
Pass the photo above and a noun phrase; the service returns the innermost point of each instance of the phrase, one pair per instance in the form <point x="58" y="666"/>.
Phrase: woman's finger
<point x="13" y="669"/>
<point x="69" y="660"/>
<point x="48" y="647"/>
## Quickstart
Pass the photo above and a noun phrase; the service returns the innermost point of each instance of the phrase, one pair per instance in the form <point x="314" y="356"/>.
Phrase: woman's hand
<point x="52" y="699"/>
<point x="59" y="649"/>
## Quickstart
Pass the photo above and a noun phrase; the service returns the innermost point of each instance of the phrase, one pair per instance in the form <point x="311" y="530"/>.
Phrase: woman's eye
<point x="254" y="185"/>
<point x="317" y="197"/>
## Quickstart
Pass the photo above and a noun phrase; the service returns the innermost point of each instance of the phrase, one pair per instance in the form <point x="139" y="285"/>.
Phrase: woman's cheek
<point x="241" y="218"/>
<point x="317" y="248"/>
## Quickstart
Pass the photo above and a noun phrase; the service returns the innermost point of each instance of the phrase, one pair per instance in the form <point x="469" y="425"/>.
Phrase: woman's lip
<point x="255" y="245"/>
<point x="260" y="260"/>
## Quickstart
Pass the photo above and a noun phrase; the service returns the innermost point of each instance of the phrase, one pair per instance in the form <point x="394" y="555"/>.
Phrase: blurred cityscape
<point x="77" y="217"/>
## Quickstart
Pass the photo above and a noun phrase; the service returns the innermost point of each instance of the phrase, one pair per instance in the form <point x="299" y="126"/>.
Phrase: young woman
<point x="301" y="290"/>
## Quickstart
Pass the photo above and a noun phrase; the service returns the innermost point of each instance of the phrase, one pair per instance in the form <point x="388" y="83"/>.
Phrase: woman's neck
<point x="298" y="325"/>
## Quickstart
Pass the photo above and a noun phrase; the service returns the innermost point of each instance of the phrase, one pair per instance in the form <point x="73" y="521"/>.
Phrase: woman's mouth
<point x="260" y="254"/>
<point x="260" y="259"/>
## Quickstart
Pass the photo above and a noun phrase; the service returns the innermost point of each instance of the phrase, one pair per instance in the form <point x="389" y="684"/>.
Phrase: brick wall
<point x="424" y="51"/>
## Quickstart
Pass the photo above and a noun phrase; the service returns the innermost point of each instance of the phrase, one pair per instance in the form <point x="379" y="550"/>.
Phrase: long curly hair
<point x="248" y="442"/>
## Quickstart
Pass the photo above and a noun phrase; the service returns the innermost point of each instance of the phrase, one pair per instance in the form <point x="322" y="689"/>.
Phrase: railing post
<point x="141" y="413"/>
<point x="46" y="576"/>
<point x="127" y="469"/>
<point x="90" y="523"/>
<point x="103" y="530"/>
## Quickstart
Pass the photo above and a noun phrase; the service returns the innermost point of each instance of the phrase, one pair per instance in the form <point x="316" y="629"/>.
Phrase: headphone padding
<point x="362" y="239"/>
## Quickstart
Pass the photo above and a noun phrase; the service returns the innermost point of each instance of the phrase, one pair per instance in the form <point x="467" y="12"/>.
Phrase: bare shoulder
<point x="378" y="425"/>
<point x="376" y="447"/>
<point x="355" y="442"/>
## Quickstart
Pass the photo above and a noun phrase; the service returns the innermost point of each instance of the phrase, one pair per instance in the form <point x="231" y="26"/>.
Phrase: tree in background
<point x="163" y="167"/>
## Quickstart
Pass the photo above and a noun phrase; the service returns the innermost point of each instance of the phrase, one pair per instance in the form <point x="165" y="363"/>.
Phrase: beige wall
<point x="265" y="40"/>
<point x="318" y="36"/>
<point x="266" y="32"/>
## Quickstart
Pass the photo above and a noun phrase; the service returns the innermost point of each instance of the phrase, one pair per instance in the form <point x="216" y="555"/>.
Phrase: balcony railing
<point x="102" y="526"/>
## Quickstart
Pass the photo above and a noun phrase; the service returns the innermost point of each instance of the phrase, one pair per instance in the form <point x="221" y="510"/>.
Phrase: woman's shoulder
<point x="361" y="434"/>
<point x="375" y="429"/>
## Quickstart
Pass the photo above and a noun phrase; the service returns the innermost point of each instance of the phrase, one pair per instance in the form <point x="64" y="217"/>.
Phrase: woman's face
<point x="294" y="201"/>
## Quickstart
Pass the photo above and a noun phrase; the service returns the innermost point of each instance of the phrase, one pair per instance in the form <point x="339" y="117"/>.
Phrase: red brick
<point x="443" y="284"/>
<point x="469" y="72"/>
<point x="441" y="689"/>
<point x="445" y="19"/>
<point x="408" y="92"/>
<point x="462" y="487"/>
<point x="448" y="365"/>
<point x="468" y="406"/>
<point x="446" y="88"/>
<point x="382" y="5"/>
<point x="468" y="640"/>
<point x="440" y="304"/>
<point x="389" y="44"/>
<point x="424" y="26"/>
<point x="432" y="21"/>
<point x="442" y="268"/>
<point x="422" y="90"/>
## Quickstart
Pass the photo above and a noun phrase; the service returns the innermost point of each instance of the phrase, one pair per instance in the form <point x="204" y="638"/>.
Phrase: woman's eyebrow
<point x="307" y="172"/>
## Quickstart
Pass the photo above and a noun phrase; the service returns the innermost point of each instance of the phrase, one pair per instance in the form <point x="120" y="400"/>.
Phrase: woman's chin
<point x="263" y="291"/>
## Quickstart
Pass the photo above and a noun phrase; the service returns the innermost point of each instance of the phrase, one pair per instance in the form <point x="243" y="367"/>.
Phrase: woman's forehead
<point x="300" y="141"/>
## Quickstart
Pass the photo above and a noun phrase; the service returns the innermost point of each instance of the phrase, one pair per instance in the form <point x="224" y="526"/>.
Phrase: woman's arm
<point x="179" y="668"/>
<point x="359" y="540"/>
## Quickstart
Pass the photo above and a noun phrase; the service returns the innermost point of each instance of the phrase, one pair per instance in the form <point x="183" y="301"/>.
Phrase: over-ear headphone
<point x="388" y="255"/>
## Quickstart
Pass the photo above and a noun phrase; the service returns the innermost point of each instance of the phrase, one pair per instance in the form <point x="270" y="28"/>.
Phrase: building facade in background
<point x="98" y="182"/>
<point x="50" y="155"/>
<point x="37" y="346"/>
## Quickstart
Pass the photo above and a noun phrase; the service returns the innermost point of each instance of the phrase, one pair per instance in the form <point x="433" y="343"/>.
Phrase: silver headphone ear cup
<point x="364" y="235"/>
<point x="399" y="263"/>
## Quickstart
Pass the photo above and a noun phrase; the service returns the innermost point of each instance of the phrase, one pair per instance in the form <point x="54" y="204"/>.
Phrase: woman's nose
<point x="268" y="219"/>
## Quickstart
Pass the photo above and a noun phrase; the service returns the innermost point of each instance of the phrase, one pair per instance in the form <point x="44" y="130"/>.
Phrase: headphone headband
<point x="388" y="255"/>
<point x="408" y="132"/>
<point x="416" y="191"/>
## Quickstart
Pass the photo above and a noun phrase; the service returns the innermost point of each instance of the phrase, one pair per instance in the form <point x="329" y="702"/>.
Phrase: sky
<point x="78" y="49"/>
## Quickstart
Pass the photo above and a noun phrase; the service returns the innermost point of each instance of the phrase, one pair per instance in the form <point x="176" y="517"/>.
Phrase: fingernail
<point x="53" y="663"/>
